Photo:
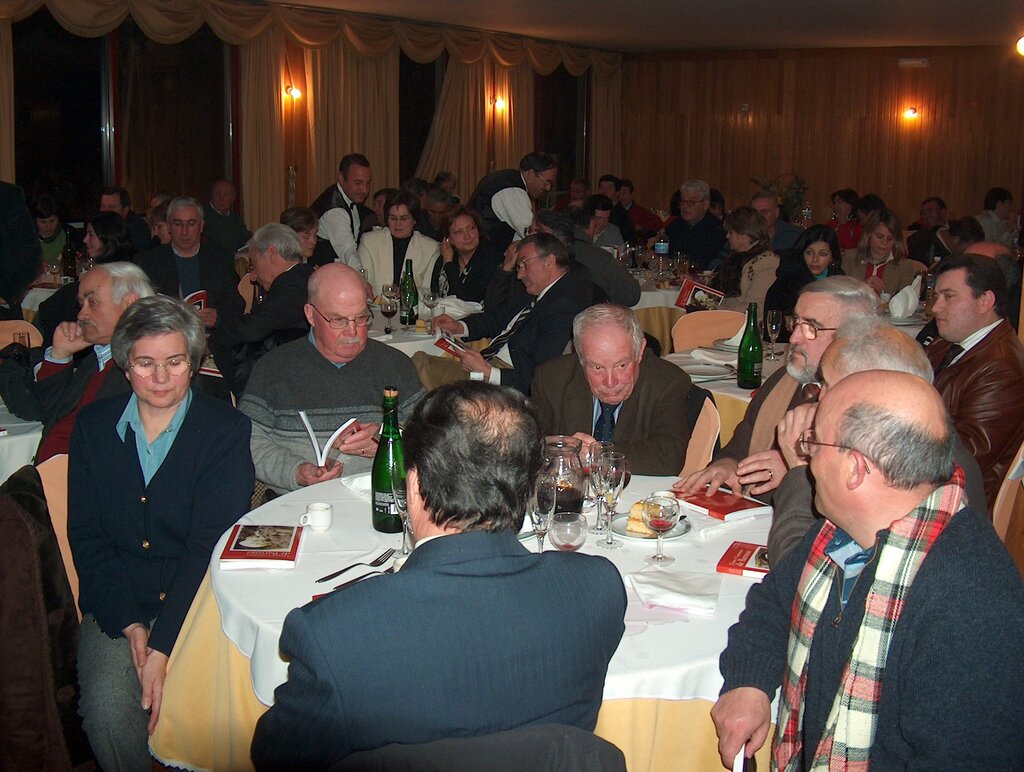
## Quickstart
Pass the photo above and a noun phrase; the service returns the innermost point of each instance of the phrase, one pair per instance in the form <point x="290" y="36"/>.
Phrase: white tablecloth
<point x="407" y="342"/>
<point x="658" y="297"/>
<point x="254" y="603"/>
<point x="35" y="296"/>
<point x="18" y="446"/>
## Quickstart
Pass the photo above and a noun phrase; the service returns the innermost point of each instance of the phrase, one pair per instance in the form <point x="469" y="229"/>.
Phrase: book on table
<point x="745" y="559"/>
<point x="321" y="453"/>
<point x="261" y="546"/>
<point x="723" y="505"/>
<point x="693" y="293"/>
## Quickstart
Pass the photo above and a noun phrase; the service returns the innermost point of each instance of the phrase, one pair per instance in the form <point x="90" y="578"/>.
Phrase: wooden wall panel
<point x="834" y="117"/>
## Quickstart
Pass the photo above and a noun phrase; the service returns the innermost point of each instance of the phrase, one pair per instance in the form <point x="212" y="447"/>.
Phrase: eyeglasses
<point x="146" y="368"/>
<point x="522" y="262"/>
<point x="690" y="201"/>
<point x="343" y="322"/>
<point x="806" y="445"/>
<point x="811" y="330"/>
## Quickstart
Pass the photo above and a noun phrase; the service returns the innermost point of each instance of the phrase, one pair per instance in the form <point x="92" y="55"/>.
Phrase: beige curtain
<point x="353" y="109"/>
<point x="6" y="103"/>
<point x="513" y="127"/>
<point x="261" y="119"/>
<point x="605" y="123"/>
<point x="458" y="136"/>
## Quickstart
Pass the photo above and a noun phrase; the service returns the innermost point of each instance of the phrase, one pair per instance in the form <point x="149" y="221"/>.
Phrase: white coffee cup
<point x="319" y="516"/>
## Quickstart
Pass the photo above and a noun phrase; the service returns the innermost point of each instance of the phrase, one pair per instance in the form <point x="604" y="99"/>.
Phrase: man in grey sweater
<point x="333" y="374"/>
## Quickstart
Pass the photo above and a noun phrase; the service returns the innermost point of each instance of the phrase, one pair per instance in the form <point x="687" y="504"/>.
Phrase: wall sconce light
<point x="293" y="92"/>
<point x="911" y="113"/>
<point x="1020" y="45"/>
<point x="498" y="103"/>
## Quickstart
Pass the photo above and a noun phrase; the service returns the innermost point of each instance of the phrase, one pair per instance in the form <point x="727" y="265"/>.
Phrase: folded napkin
<point x="714" y="357"/>
<point x="457" y="308"/>
<point x="696" y="593"/>
<point x="359" y="484"/>
<point x="904" y="302"/>
<point x="639" y="614"/>
<point x="735" y="339"/>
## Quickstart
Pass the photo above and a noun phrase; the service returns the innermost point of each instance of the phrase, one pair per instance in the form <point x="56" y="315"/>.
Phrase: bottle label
<point x="661" y="247"/>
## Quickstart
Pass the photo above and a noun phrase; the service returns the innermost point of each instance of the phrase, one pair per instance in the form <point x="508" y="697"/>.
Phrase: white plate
<point x="909" y="321"/>
<point x="722" y="344"/>
<point x="705" y="372"/>
<point x="619" y="529"/>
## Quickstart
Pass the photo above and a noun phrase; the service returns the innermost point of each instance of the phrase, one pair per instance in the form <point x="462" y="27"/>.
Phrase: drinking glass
<point x="400" y="493"/>
<point x="610" y="471"/>
<point x="54" y="270"/>
<point x="406" y="309"/>
<point x="568" y="531"/>
<point x="388" y="308"/>
<point x="430" y="300"/>
<point x="773" y="326"/>
<point x="389" y="291"/>
<point x="562" y="461"/>
<point x="588" y="455"/>
<point x="661" y="513"/>
<point x="22" y="339"/>
<point x="542" y="507"/>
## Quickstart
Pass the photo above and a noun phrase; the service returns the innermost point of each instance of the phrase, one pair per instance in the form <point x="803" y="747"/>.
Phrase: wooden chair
<point x="9" y="328"/>
<point x="54" y="474"/>
<point x="703" y="439"/>
<point x="702" y="328"/>
<point x="247" y="291"/>
<point x="1008" y="515"/>
<point x="658" y="322"/>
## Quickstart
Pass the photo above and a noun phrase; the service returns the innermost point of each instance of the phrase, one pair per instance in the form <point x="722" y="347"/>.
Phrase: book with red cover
<point x="723" y="505"/>
<point x="745" y="559"/>
<point x="446" y="342"/>
<point x="198" y="299"/>
<point x="693" y="293"/>
<point x="261" y="546"/>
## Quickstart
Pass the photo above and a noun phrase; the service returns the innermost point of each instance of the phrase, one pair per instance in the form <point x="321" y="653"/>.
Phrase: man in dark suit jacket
<point x="275" y="257"/>
<point x="523" y="336"/>
<point x="468" y="639"/>
<point x="611" y="372"/>
<point x="21" y="258"/>
<point x="187" y="265"/>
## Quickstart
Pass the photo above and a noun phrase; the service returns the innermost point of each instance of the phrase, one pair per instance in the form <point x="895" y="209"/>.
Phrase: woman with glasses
<point x="155" y="478"/>
<point x="383" y="253"/>
<point x="467" y="263"/>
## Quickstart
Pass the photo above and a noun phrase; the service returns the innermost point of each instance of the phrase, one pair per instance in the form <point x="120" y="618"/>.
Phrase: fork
<point x="380" y="560"/>
<point x="358" y="579"/>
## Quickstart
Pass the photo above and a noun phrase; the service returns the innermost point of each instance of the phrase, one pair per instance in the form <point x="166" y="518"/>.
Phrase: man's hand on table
<point x="311" y="474"/>
<point x="793" y="424"/>
<point x="68" y="340"/>
<point x="360" y="440"/>
<point x="714" y="475"/>
<point x="741" y="716"/>
<point x="762" y="471"/>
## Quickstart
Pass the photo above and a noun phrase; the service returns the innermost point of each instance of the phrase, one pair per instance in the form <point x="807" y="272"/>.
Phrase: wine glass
<point x="389" y="291"/>
<point x="773" y="326"/>
<point x="400" y="493"/>
<point x="610" y="474"/>
<point x="430" y="300"/>
<point x="54" y="270"/>
<point x="542" y="507"/>
<point x="407" y="308"/>
<point x="568" y="531"/>
<point x="388" y="308"/>
<point x="661" y="513"/>
<point x="588" y="455"/>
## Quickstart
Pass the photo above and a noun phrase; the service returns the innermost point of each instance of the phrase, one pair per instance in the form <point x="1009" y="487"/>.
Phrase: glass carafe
<point x="562" y="462"/>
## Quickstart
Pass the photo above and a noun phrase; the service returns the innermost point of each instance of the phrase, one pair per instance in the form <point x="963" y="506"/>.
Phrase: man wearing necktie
<point x="979" y="363"/>
<point x="612" y="390"/>
<point x="521" y="337"/>
<point x="339" y="207"/>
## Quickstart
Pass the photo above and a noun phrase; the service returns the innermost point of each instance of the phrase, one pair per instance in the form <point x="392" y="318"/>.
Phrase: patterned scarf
<point x="850" y="728"/>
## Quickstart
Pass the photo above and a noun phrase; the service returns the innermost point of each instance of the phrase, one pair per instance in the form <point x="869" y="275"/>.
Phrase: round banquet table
<point x="655" y="298"/>
<point x="18" y="446"/>
<point x="34" y="298"/>
<point x="226" y="664"/>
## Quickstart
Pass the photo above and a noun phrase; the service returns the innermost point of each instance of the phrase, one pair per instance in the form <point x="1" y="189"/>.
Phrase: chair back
<point x="703" y="438"/>
<point x="703" y="328"/>
<point x="54" y="474"/>
<point x="1008" y="515"/>
<point x="9" y="328"/>
<point x="247" y="291"/>
<point x="658" y="322"/>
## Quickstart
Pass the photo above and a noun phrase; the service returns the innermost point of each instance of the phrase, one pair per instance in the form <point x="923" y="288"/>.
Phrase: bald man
<point x="333" y="374"/>
<point x="863" y="344"/>
<point x="911" y="586"/>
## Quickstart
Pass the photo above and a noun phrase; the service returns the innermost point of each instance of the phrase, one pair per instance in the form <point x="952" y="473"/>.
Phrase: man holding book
<point x="869" y="625"/>
<point x="333" y="374"/>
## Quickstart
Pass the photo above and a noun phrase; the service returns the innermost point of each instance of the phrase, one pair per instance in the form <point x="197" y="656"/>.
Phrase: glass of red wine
<point x="388" y="307"/>
<point x="568" y="531"/>
<point x="661" y="513"/>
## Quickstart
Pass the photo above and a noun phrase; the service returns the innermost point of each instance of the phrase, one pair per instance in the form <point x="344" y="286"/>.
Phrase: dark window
<point x="558" y="121"/>
<point x="417" y="97"/>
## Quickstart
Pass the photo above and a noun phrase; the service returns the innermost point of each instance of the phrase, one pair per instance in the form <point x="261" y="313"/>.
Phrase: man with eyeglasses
<point x="504" y="199"/>
<point x="752" y="458"/>
<point x="696" y="233"/>
<point x="333" y="374"/>
<point x="275" y="263"/>
<point x="893" y="631"/>
<point x="188" y="265"/>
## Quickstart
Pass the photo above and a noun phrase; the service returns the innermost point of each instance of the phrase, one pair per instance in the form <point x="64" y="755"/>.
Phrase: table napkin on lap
<point x="457" y="308"/>
<point x="696" y="593"/>
<point x="904" y="302"/>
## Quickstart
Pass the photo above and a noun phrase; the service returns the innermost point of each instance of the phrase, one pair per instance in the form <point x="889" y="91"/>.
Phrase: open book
<point x="322" y="453"/>
<point x="446" y="342"/>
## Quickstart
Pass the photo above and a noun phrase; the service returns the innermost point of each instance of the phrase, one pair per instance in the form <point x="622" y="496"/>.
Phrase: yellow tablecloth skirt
<point x="209" y="710"/>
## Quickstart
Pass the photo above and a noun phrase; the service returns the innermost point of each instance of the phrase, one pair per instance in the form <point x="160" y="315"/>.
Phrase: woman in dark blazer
<point x="155" y="478"/>
<point x="815" y="255"/>
<point x="467" y="263"/>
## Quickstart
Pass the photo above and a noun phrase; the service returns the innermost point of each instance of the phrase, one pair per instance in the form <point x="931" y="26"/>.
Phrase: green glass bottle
<point x="389" y="452"/>
<point x="410" y="297"/>
<point x="748" y="368"/>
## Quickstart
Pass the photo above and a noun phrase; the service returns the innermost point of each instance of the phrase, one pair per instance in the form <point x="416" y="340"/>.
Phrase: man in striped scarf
<point x="896" y="628"/>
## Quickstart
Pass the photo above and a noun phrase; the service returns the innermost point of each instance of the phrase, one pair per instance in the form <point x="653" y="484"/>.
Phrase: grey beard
<point x="802" y="375"/>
